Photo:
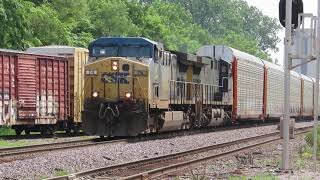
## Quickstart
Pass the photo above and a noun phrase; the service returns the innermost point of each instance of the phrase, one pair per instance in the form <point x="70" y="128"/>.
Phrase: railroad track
<point x="160" y="166"/>
<point x="8" y="154"/>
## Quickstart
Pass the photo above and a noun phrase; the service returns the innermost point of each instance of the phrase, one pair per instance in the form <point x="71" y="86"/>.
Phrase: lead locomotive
<point x="133" y="86"/>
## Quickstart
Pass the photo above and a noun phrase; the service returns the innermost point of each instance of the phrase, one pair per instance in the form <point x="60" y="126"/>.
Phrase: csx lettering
<point x="114" y="77"/>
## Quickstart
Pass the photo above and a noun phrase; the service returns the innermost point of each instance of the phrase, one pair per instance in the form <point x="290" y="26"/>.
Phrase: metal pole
<point x="287" y="59"/>
<point x="316" y="94"/>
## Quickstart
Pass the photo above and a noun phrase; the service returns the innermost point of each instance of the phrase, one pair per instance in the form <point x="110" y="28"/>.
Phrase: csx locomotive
<point x="133" y="86"/>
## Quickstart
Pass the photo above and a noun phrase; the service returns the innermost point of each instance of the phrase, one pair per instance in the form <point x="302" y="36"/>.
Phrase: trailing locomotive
<point x="133" y="86"/>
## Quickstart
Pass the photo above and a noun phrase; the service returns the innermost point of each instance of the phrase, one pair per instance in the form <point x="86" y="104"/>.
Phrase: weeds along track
<point x="39" y="136"/>
<point x="160" y="167"/>
<point x="10" y="154"/>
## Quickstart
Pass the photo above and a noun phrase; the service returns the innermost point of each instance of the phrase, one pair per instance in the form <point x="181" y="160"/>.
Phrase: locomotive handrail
<point x="185" y="92"/>
<point x="194" y="83"/>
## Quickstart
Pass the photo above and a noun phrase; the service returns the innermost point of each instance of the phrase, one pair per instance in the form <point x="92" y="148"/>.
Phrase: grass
<point x="60" y="172"/>
<point x="6" y="130"/>
<point x="17" y="143"/>
<point x="260" y="177"/>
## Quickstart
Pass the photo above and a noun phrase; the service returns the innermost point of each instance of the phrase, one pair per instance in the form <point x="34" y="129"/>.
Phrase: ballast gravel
<point x="81" y="159"/>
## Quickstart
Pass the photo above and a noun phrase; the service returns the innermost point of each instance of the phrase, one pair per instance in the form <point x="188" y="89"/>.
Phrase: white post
<point x="287" y="64"/>
<point x="316" y="96"/>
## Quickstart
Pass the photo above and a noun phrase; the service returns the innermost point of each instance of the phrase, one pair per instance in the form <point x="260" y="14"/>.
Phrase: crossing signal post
<point x="289" y="11"/>
<point x="316" y="98"/>
<point x="288" y="15"/>
<point x="287" y="41"/>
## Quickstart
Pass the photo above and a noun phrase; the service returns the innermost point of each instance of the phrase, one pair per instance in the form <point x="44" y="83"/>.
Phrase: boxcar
<point x="77" y="58"/>
<point x="34" y="91"/>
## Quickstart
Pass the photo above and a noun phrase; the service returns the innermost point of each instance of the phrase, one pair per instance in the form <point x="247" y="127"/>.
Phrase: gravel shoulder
<point x="258" y="163"/>
<point x="74" y="160"/>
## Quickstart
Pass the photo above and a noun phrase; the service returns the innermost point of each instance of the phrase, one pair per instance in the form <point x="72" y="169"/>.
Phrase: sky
<point x="270" y="8"/>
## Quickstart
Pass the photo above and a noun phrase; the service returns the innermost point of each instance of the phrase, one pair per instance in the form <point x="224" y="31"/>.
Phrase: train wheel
<point x="76" y="129"/>
<point x="43" y="132"/>
<point x="68" y="131"/>
<point x="27" y="131"/>
<point x="18" y="131"/>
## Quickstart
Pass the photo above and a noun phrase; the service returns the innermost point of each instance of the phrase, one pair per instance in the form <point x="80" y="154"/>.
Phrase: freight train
<point x="134" y="86"/>
<point x="41" y="89"/>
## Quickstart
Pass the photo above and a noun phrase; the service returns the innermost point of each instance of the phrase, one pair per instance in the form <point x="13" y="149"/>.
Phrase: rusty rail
<point x="160" y="170"/>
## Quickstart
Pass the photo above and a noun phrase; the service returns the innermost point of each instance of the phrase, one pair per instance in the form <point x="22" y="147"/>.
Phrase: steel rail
<point x="162" y="170"/>
<point x="17" y="151"/>
<point x="95" y="141"/>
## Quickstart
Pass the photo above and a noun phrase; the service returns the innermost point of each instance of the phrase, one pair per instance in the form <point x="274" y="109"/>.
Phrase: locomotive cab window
<point x="128" y="50"/>
<point x="105" y="51"/>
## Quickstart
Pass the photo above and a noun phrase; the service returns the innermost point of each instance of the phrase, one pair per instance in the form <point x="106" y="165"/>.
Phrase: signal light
<point x="297" y="8"/>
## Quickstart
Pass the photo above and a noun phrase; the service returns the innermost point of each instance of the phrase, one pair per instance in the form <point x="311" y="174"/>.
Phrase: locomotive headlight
<point x="95" y="94"/>
<point x="128" y="95"/>
<point x="115" y="65"/>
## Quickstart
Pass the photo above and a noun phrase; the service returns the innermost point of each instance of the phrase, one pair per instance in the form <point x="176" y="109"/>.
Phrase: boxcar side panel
<point x="27" y="87"/>
<point x="274" y="93"/>
<point x="295" y="94"/>
<point x="8" y="103"/>
<point x="33" y="88"/>
<point x="307" y="109"/>
<point x="250" y="98"/>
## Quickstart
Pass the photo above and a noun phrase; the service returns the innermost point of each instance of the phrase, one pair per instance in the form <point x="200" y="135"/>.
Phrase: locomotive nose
<point x="116" y="79"/>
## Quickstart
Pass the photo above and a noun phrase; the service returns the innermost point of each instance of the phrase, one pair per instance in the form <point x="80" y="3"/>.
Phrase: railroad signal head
<point x="297" y="8"/>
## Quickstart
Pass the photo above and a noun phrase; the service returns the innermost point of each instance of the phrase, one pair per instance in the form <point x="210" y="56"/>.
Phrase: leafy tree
<point x="110" y="18"/>
<point x="183" y="25"/>
<point x="13" y="24"/>
<point x="46" y="27"/>
<point x="171" y="24"/>
<point x="220" y="17"/>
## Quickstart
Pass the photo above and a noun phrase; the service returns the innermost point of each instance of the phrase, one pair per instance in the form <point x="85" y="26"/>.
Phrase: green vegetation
<point x="15" y="143"/>
<point x="60" y="172"/>
<point x="262" y="177"/>
<point x="6" y="130"/>
<point x="309" y="139"/>
<point x="180" y="24"/>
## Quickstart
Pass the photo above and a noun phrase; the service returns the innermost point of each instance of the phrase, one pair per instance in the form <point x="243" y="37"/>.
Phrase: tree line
<point x="182" y="25"/>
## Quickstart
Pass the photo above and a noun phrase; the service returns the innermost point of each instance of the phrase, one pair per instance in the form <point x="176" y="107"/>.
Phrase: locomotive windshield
<point x="122" y="51"/>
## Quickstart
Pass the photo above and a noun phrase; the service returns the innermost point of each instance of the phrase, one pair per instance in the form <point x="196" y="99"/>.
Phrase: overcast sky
<point x="270" y="8"/>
